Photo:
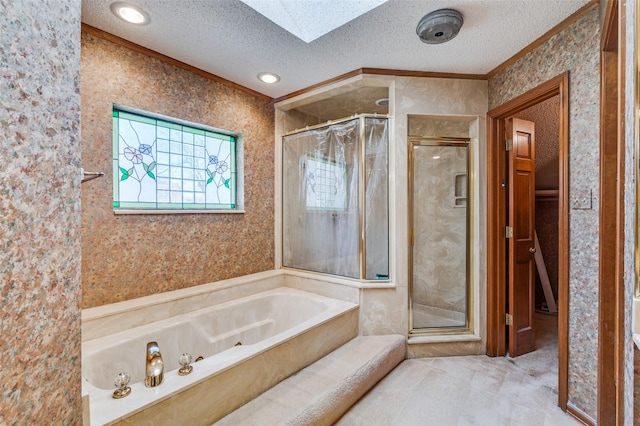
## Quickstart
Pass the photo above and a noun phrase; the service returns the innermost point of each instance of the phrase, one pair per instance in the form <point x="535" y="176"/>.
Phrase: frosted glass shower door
<point x="439" y="286"/>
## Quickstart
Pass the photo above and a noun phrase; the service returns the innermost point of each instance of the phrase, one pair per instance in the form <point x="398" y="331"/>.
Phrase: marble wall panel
<point x="40" y="212"/>
<point x="361" y="100"/>
<point x="575" y="49"/>
<point x="295" y="119"/>
<point x="466" y="101"/>
<point x="443" y="348"/>
<point x="128" y="256"/>
<point x="383" y="311"/>
<point x="434" y="97"/>
<point x="631" y="374"/>
<point x="426" y="126"/>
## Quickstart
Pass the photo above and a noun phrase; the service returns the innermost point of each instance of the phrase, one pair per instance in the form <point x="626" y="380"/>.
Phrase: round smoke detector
<point x="439" y="26"/>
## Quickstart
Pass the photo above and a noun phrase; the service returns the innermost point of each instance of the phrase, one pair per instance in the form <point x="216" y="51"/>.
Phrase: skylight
<point x="309" y="20"/>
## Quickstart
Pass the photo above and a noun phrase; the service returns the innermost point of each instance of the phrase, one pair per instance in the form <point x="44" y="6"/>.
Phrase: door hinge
<point x="508" y="232"/>
<point x="508" y="144"/>
<point x="508" y="319"/>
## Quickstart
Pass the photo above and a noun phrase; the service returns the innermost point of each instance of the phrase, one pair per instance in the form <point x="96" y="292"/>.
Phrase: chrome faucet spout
<point x="155" y="366"/>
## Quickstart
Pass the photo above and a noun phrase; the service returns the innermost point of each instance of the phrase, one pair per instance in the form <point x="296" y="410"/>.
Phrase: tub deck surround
<point x="108" y="319"/>
<point x="115" y="317"/>
<point x="283" y="328"/>
<point x="347" y="289"/>
<point x="252" y="320"/>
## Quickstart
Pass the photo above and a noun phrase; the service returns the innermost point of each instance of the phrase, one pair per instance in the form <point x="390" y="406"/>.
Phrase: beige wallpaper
<point x="576" y="49"/>
<point x="40" y="377"/>
<point x="128" y="256"/>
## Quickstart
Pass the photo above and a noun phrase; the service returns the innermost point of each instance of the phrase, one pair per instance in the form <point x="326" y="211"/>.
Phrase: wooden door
<point x="521" y="247"/>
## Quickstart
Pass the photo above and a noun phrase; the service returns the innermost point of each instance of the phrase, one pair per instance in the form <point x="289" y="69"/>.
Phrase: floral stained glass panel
<point x="164" y="165"/>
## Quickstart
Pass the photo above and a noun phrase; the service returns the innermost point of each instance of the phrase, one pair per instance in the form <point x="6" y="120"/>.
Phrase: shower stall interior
<point x="335" y="200"/>
<point x="440" y="222"/>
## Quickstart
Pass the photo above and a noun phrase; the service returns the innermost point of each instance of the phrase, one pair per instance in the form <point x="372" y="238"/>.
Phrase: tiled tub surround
<point x="278" y="326"/>
<point x="130" y="256"/>
<point x="577" y="50"/>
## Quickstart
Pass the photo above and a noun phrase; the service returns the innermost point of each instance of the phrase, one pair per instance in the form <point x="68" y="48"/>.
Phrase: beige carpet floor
<point x="469" y="390"/>
<point x="320" y="393"/>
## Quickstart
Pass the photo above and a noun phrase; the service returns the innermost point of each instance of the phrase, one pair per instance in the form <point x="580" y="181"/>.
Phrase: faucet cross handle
<point x="121" y="382"/>
<point x="185" y="362"/>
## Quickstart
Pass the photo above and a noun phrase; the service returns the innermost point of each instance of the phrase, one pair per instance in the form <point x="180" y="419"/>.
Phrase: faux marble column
<point x="40" y="212"/>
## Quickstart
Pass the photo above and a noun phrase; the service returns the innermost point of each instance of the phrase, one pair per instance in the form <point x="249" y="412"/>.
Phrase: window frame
<point x="342" y="168"/>
<point x="238" y="156"/>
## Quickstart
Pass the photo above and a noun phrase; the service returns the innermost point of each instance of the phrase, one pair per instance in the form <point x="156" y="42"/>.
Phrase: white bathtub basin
<point x="261" y="323"/>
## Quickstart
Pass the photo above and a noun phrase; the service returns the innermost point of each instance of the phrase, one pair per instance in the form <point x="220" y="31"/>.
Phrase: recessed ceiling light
<point x="382" y="102"/>
<point x="129" y="13"/>
<point x="268" y="77"/>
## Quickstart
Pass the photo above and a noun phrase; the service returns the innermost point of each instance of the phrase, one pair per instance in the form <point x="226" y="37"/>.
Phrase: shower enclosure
<point x="335" y="214"/>
<point x="439" y="216"/>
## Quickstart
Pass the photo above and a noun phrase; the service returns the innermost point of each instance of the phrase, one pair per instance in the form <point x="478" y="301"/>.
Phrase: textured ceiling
<point x="229" y="39"/>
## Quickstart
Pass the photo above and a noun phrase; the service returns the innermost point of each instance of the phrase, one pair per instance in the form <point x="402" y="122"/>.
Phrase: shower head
<point x="439" y="26"/>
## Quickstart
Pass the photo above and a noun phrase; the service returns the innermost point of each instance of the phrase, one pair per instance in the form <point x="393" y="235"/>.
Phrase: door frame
<point x="611" y="333"/>
<point x="496" y="222"/>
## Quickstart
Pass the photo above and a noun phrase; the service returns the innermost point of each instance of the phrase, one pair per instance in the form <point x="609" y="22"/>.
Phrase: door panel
<point x="440" y="243"/>
<point x="521" y="217"/>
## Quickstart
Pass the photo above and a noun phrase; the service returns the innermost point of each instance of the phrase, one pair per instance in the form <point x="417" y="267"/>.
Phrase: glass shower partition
<point x="439" y="220"/>
<point x="335" y="198"/>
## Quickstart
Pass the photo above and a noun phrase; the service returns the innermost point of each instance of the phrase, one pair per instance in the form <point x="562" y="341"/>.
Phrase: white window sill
<point x="134" y="211"/>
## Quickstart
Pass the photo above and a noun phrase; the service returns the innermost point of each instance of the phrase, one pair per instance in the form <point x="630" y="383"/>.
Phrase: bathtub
<point x="248" y="345"/>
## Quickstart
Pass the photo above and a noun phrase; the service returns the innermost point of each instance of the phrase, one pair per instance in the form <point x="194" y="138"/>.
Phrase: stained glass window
<point x="161" y="164"/>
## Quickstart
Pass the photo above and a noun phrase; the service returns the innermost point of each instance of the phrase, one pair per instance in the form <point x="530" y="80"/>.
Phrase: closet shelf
<point x="547" y="194"/>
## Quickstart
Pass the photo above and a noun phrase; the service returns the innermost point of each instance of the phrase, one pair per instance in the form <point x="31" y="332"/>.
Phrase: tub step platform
<point x="322" y="392"/>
